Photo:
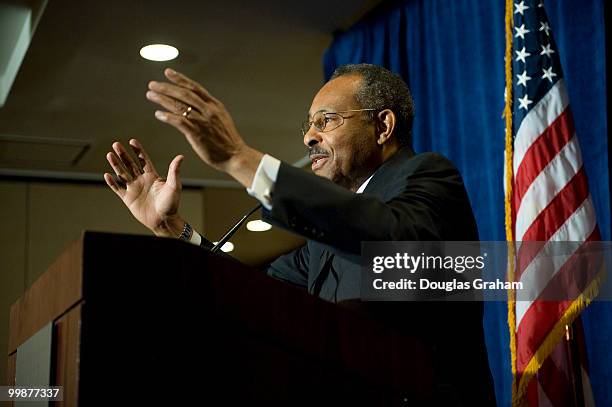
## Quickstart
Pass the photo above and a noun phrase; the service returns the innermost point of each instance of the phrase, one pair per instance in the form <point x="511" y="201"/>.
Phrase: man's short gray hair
<point x="383" y="89"/>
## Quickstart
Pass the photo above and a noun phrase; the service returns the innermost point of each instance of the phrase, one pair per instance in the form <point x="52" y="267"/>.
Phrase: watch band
<point x="187" y="232"/>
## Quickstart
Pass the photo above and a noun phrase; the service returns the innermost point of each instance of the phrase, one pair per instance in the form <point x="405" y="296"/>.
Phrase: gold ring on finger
<point x="187" y="111"/>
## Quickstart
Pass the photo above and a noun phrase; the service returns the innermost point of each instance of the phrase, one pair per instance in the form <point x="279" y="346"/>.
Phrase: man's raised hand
<point x="206" y="124"/>
<point x="153" y="200"/>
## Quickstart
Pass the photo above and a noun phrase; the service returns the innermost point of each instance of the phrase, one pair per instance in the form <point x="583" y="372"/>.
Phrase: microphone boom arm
<point x="233" y="230"/>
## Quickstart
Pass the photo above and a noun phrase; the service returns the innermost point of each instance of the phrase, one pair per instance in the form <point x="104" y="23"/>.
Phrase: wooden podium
<point x="138" y="319"/>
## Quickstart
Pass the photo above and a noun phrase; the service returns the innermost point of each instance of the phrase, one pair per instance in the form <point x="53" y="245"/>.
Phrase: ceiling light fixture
<point x="159" y="52"/>
<point x="258" y="226"/>
<point x="227" y="247"/>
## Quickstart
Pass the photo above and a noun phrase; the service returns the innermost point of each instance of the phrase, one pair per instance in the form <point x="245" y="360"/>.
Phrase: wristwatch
<point x="187" y="232"/>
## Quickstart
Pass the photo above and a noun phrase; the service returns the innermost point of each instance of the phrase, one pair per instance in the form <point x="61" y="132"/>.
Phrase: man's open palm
<point x="150" y="198"/>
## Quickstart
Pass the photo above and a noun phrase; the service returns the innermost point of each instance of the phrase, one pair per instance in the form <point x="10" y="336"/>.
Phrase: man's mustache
<point x="316" y="151"/>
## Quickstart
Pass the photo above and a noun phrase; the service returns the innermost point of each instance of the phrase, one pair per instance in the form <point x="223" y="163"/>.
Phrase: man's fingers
<point x="176" y="106"/>
<point x="178" y="121"/>
<point x="118" y="167"/>
<point x="143" y="157"/>
<point x="173" y="97"/>
<point x="110" y="181"/>
<point x="184" y="81"/>
<point x="129" y="164"/>
<point x="174" y="179"/>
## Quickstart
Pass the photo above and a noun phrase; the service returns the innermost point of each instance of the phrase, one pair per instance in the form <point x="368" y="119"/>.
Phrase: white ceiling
<point x="82" y="81"/>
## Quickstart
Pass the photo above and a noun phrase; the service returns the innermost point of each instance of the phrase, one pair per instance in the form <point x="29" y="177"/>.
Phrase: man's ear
<point x="385" y="126"/>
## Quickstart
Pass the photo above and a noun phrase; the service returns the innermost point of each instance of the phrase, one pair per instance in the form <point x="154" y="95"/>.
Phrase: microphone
<point x="233" y="230"/>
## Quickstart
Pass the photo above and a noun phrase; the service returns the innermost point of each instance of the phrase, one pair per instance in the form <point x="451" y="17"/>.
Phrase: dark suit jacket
<point x="410" y="197"/>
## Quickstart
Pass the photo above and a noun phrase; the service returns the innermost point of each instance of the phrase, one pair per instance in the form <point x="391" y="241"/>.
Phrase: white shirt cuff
<point x="264" y="180"/>
<point x="196" y="239"/>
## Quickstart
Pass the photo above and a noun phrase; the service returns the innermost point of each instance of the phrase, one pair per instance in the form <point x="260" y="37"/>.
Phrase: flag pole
<point x="509" y="148"/>
<point x="573" y="360"/>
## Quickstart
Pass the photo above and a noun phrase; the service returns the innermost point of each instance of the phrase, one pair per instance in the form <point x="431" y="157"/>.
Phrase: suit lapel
<point x="322" y="258"/>
<point x="380" y="181"/>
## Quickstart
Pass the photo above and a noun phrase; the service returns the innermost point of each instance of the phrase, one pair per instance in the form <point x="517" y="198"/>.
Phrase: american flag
<point x="548" y="201"/>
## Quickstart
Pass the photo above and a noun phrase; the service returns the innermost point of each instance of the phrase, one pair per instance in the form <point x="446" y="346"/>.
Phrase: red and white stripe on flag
<point x="549" y="203"/>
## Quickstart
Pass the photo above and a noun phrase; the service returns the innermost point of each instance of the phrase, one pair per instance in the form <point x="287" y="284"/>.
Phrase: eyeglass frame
<point x="310" y="122"/>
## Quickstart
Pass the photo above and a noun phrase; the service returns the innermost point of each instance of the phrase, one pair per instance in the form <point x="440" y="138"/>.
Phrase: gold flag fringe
<point x="508" y="157"/>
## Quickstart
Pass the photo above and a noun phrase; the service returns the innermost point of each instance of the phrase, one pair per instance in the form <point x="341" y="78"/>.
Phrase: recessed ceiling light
<point x="258" y="226"/>
<point x="159" y="52"/>
<point x="227" y="247"/>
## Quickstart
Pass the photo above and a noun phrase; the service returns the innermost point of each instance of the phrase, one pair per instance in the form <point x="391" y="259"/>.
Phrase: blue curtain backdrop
<point x="451" y="54"/>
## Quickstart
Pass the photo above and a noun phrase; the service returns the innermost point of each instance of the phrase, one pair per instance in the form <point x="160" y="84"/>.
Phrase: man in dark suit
<point x="370" y="187"/>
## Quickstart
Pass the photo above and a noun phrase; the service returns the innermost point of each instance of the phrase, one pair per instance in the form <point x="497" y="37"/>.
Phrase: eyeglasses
<point x="327" y="121"/>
